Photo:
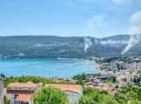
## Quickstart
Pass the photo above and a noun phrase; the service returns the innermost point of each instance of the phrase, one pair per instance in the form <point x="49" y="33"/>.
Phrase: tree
<point x="80" y="82"/>
<point x="51" y="96"/>
<point x="134" y="102"/>
<point x="86" y="100"/>
<point x="6" y="101"/>
<point x="2" y="75"/>
<point x="129" y="95"/>
<point x="95" y="96"/>
<point x="82" y="76"/>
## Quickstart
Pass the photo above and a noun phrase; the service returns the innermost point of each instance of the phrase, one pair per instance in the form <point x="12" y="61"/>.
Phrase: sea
<point x="52" y="67"/>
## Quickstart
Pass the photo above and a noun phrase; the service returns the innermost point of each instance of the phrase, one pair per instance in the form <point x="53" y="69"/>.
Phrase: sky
<point x="97" y="18"/>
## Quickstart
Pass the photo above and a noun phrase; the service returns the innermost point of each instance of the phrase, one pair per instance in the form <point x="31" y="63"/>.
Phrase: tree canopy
<point x="94" y="96"/>
<point x="51" y="96"/>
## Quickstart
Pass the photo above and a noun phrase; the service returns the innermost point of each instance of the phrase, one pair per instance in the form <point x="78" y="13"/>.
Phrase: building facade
<point x="22" y="93"/>
<point x="1" y="90"/>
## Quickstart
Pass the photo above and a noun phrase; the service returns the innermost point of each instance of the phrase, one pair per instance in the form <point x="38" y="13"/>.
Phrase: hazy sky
<point x="98" y="18"/>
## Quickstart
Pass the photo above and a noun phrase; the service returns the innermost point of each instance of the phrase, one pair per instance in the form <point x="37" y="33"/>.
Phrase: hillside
<point x="54" y="46"/>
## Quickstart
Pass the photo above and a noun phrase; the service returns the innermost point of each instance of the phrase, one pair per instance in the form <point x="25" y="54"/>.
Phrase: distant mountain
<point x="54" y="46"/>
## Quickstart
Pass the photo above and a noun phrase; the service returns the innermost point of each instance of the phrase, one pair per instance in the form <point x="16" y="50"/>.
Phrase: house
<point x="22" y="93"/>
<point x="74" y="92"/>
<point x="1" y="90"/>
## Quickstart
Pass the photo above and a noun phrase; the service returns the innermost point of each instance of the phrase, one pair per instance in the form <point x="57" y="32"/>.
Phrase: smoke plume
<point x="87" y="43"/>
<point x="135" y="31"/>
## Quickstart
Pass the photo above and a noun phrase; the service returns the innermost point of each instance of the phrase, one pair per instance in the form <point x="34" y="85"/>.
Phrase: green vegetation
<point x="83" y="76"/>
<point x="6" y="101"/>
<point x="30" y="78"/>
<point x="94" y="96"/>
<point x="120" y="67"/>
<point x="110" y="59"/>
<point x="26" y="79"/>
<point x="80" y="82"/>
<point x="2" y="75"/>
<point x="51" y="96"/>
<point x="130" y="94"/>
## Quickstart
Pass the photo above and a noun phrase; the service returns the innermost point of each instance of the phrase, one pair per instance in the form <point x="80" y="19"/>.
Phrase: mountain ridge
<point x="65" y="47"/>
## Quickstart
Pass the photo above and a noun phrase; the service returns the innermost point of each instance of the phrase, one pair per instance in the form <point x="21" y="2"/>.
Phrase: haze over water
<point x="46" y="67"/>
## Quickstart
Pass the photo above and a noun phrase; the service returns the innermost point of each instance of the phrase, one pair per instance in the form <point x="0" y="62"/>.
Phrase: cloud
<point x="136" y="22"/>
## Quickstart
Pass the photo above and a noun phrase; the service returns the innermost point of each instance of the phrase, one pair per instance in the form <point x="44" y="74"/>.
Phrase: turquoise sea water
<point x="46" y="67"/>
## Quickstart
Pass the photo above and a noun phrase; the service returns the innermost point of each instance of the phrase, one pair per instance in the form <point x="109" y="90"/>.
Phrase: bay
<point x="64" y="68"/>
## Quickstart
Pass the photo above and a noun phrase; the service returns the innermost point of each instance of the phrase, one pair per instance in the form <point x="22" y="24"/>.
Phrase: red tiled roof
<point x="24" y="97"/>
<point x="28" y="84"/>
<point x="73" y="88"/>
